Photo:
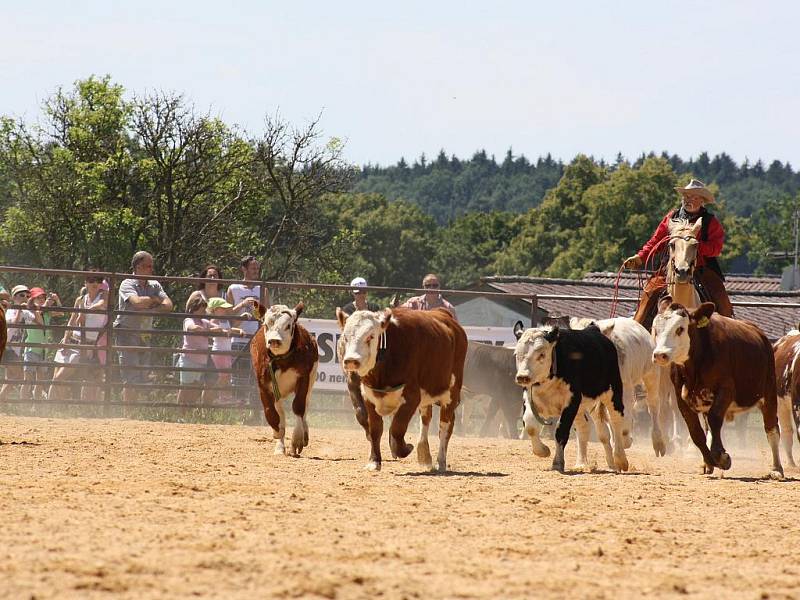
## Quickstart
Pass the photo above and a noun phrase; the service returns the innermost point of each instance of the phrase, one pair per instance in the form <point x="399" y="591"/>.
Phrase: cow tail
<point x="616" y="389"/>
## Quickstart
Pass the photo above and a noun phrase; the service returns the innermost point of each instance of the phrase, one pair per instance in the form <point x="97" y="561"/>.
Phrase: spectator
<point x="193" y="327"/>
<point x="243" y="297"/>
<point x="218" y="309"/>
<point x="431" y="298"/>
<point x="206" y="291"/>
<point x="18" y="313"/>
<point x="5" y="297"/>
<point x="93" y="296"/>
<point x="34" y="356"/>
<point x="147" y="296"/>
<point x="359" y="298"/>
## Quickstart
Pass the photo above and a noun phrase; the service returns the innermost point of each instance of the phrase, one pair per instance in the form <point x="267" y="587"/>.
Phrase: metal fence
<point x="163" y="373"/>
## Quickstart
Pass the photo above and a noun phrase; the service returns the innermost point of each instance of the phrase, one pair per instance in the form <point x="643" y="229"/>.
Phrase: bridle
<point x="672" y="270"/>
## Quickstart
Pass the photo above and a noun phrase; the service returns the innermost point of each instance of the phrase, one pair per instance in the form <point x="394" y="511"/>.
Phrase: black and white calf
<point x="566" y="370"/>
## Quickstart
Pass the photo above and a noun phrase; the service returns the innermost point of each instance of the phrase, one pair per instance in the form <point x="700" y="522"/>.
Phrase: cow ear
<point x="341" y="317"/>
<point x="386" y="316"/>
<point x="519" y="329"/>
<point x="664" y="303"/>
<point x="705" y="310"/>
<point x="259" y="310"/>
<point x="697" y="227"/>
<point x="298" y="309"/>
<point x="552" y="335"/>
<point x="395" y="301"/>
<point x="606" y="326"/>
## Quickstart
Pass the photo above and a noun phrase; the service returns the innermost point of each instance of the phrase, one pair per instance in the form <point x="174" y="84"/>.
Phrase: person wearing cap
<point x="708" y="272"/>
<point x="359" y="298"/>
<point x="35" y="355"/>
<point x="18" y="313"/>
<point x="431" y="298"/>
<point x="218" y="309"/>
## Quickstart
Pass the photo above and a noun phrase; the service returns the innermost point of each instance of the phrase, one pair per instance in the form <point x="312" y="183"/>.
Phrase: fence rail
<point x="105" y="376"/>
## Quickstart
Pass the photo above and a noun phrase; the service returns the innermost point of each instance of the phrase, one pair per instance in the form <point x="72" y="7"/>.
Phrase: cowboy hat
<point x="695" y="186"/>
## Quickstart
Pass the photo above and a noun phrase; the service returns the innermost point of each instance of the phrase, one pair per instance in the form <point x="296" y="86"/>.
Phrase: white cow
<point x="635" y="346"/>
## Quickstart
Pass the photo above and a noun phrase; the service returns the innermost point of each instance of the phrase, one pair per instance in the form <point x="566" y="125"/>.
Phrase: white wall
<point x="482" y="311"/>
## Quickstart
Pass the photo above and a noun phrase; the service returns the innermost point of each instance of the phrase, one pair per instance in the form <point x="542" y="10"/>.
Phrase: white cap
<point x="357" y="283"/>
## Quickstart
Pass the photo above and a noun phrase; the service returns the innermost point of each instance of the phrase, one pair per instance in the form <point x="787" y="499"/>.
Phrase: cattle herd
<point x="694" y="363"/>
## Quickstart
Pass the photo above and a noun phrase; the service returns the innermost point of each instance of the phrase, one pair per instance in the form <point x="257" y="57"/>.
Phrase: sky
<point x="399" y="79"/>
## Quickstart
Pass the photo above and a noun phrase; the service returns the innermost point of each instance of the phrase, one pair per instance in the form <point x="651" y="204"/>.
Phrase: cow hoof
<point x="296" y="450"/>
<point x="399" y="451"/>
<point x="621" y="463"/>
<point x="558" y="465"/>
<point x="580" y="466"/>
<point x="299" y="441"/>
<point x="373" y="466"/>
<point x="541" y="451"/>
<point x="280" y="448"/>
<point x="424" y="457"/>
<point x="708" y="469"/>
<point x="441" y="467"/>
<point x="724" y="461"/>
<point x="659" y="446"/>
<point x="776" y="475"/>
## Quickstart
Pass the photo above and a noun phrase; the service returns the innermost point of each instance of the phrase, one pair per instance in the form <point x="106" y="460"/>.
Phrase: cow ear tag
<point x="702" y="322"/>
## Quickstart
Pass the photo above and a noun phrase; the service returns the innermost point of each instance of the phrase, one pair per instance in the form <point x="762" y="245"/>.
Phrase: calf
<point x="285" y="360"/>
<point x="635" y="346"/>
<point x="787" y="378"/>
<point x="720" y="366"/>
<point x="490" y="370"/>
<point x="406" y="360"/>
<point x="565" y="371"/>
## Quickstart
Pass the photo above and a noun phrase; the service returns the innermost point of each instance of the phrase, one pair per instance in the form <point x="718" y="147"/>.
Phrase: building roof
<point x="774" y="320"/>
<point x="733" y="283"/>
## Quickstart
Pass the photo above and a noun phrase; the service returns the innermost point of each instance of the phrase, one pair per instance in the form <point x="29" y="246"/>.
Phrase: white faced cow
<point x="720" y="366"/>
<point x="566" y="370"/>
<point x="406" y="359"/>
<point x="285" y="360"/>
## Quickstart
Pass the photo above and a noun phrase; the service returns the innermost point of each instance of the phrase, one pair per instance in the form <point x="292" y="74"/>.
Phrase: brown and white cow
<point x="285" y="359"/>
<point x="406" y="360"/>
<point x="720" y="366"/>
<point x="787" y="378"/>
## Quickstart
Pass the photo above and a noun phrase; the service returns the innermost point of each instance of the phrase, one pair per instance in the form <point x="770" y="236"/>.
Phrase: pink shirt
<point x="194" y="341"/>
<point x="419" y="303"/>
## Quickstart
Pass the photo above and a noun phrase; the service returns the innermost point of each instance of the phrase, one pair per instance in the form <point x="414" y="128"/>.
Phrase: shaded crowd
<point x="213" y="362"/>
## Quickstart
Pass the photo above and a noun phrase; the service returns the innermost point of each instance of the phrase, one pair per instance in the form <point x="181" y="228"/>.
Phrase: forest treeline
<point x="101" y="173"/>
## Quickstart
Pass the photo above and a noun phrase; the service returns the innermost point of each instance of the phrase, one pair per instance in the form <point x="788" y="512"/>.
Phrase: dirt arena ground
<point x="95" y="508"/>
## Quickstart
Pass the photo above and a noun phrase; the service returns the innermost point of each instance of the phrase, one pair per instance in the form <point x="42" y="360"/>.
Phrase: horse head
<point x="683" y="249"/>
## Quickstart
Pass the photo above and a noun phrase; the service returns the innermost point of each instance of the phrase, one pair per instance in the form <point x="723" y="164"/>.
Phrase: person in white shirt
<point x="243" y="297"/>
<point x="19" y="312"/>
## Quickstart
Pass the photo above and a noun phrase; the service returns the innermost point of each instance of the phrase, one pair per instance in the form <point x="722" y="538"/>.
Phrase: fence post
<point x="109" y="366"/>
<point x="534" y="310"/>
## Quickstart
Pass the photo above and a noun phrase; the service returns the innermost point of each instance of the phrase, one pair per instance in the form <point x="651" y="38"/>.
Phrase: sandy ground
<point x="95" y="508"/>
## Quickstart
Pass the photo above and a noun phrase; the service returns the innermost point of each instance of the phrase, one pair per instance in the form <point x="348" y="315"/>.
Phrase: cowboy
<point x="707" y="270"/>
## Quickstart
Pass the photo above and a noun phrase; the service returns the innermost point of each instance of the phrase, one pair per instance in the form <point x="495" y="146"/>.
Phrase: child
<point x="36" y="335"/>
<point x="218" y="308"/>
<point x="19" y="313"/>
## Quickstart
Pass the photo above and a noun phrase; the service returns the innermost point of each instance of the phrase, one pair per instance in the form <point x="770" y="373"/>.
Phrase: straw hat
<point x="695" y="186"/>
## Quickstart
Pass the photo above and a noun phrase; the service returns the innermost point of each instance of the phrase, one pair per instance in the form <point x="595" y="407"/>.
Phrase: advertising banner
<point x="329" y="374"/>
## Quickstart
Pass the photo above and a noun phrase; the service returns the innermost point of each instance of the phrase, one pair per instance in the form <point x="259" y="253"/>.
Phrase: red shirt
<point x="711" y="247"/>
